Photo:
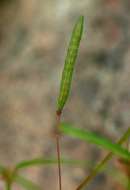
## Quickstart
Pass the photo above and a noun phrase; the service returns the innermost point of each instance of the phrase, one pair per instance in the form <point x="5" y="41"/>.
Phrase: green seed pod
<point x="69" y="63"/>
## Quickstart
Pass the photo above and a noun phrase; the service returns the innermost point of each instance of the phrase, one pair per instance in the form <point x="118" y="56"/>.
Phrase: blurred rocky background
<point x="34" y="35"/>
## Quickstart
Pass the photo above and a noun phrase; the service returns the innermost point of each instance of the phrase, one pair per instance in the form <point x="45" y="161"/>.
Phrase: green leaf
<point x="35" y="162"/>
<point x="69" y="63"/>
<point x="42" y="161"/>
<point x="26" y="183"/>
<point x="95" y="139"/>
<point x="101" y="164"/>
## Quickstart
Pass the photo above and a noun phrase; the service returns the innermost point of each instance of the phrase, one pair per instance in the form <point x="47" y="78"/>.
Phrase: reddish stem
<point x="58" y="116"/>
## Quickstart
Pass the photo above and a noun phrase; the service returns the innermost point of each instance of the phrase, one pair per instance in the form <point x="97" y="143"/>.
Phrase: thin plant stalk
<point x="96" y="170"/>
<point x="57" y="136"/>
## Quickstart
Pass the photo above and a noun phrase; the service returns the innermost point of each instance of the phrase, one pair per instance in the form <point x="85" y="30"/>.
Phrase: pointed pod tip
<point x="81" y="19"/>
<point x="80" y="23"/>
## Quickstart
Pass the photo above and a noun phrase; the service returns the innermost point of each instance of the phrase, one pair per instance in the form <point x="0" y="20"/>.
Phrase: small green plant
<point x="12" y="175"/>
<point x="85" y="135"/>
<point x="66" y="81"/>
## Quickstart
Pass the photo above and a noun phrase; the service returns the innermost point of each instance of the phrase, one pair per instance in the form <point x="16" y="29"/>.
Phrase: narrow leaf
<point x="41" y="161"/>
<point x="69" y="63"/>
<point x="35" y="162"/>
<point x="95" y="139"/>
<point x="101" y="164"/>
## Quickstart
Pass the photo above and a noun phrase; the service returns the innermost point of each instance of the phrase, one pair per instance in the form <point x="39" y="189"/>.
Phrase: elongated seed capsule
<point x="69" y="63"/>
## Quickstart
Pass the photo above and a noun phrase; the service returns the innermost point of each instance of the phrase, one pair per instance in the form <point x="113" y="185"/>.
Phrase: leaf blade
<point x="95" y="139"/>
<point x="42" y="161"/>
